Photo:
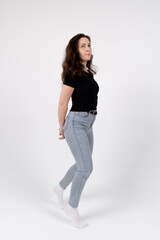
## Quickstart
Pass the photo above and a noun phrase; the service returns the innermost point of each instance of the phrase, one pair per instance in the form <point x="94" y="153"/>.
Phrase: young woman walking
<point x="76" y="127"/>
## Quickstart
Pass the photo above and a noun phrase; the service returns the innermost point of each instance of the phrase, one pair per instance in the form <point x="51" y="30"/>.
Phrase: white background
<point x="121" y="198"/>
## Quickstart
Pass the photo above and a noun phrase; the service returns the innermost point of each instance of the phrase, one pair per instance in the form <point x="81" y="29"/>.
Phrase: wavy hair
<point x="72" y="61"/>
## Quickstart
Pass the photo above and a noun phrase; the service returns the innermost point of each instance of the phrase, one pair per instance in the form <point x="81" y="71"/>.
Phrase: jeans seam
<point x="80" y="151"/>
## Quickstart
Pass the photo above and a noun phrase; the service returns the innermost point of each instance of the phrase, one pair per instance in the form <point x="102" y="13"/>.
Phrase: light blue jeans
<point x="78" y="133"/>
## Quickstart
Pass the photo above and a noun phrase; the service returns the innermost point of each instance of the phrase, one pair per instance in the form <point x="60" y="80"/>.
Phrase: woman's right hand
<point x="61" y="133"/>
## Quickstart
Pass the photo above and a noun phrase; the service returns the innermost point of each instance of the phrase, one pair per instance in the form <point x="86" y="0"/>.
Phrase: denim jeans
<point x="78" y="133"/>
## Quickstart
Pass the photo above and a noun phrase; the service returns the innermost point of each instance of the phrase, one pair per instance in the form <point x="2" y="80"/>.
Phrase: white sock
<point x="58" y="190"/>
<point x="73" y="214"/>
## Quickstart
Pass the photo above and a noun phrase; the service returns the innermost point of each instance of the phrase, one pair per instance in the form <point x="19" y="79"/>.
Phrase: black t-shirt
<point x="84" y="96"/>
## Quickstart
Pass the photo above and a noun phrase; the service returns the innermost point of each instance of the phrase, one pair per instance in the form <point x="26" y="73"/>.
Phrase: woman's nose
<point x="88" y="50"/>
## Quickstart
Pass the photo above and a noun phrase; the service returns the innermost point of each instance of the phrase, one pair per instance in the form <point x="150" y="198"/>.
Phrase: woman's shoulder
<point x="70" y="74"/>
<point x="69" y="79"/>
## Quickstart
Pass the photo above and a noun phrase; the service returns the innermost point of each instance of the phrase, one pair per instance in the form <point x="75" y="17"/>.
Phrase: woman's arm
<point x="65" y="96"/>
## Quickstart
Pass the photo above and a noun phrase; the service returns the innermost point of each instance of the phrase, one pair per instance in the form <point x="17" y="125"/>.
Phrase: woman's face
<point x="84" y="48"/>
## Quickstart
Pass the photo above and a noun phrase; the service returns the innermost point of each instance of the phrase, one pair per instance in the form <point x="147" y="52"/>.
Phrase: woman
<point x="76" y="128"/>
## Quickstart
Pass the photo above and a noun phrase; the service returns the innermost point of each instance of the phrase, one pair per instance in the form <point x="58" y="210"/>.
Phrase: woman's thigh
<point x="80" y="143"/>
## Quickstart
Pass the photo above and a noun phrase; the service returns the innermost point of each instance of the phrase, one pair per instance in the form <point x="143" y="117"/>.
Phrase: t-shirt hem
<point x="81" y="110"/>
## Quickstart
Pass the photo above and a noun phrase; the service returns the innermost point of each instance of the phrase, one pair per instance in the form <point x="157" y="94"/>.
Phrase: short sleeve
<point x="69" y="80"/>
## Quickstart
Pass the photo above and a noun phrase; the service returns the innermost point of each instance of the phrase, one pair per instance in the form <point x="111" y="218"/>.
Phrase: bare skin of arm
<point x="65" y="96"/>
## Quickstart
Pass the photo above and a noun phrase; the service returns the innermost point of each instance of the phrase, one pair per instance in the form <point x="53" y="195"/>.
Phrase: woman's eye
<point x="84" y="45"/>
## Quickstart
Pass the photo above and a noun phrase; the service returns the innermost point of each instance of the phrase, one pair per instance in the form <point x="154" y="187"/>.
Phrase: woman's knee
<point x="87" y="172"/>
<point x="75" y="166"/>
<point x="90" y="170"/>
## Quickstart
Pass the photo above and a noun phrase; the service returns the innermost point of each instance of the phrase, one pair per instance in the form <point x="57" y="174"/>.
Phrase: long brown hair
<point x="72" y="61"/>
